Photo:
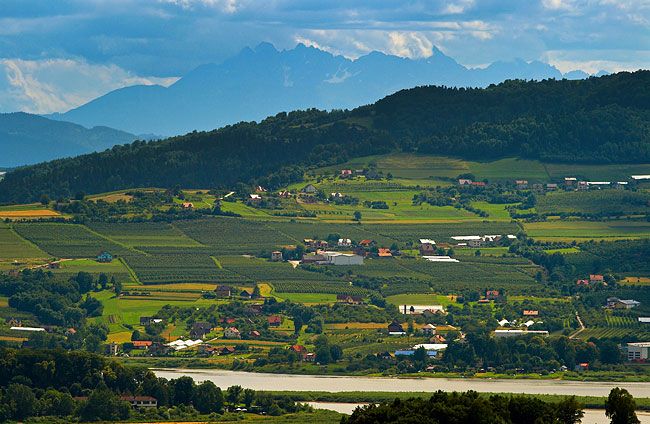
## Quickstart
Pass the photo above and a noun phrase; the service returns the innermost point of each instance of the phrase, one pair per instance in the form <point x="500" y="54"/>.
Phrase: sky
<point x="58" y="54"/>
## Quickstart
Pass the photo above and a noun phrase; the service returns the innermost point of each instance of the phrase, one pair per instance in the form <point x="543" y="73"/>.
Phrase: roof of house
<point x="233" y="330"/>
<point x="427" y="241"/>
<point x="274" y="319"/>
<point x="383" y="252"/>
<point x="139" y="343"/>
<point x="596" y="277"/>
<point x="365" y="242"/>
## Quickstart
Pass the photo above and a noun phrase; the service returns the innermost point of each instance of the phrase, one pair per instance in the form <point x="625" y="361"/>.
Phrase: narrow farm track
<point x="580" y="330"/>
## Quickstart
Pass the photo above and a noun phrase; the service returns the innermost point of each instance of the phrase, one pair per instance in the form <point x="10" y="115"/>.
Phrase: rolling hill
<point x="26" y="139"/>
<point x="597" y="120"/>
<point x="264" y="81"/>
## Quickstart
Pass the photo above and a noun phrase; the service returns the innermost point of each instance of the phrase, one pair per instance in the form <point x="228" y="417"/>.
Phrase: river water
<point x="592" y="416"/>
<point x="285" y="382"/>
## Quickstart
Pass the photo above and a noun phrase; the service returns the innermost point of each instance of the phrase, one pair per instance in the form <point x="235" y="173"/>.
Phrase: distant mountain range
<point x="27" y="139"/>
<point x="263" y="81"/>
<point x="597" y="120"/>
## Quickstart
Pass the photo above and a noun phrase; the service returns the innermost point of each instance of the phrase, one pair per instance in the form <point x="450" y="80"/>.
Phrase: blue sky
<point x="58" y="54"/>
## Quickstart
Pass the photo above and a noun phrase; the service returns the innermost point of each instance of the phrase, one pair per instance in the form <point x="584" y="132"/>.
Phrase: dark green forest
<point x="597" y="120"/>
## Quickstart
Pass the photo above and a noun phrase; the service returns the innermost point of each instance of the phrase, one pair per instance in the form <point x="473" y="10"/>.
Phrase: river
<point x="290" y="382"/>
<point x="592" y="416"/>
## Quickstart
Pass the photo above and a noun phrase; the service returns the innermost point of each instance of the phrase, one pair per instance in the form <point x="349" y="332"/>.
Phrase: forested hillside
<point x="597" y="120"/>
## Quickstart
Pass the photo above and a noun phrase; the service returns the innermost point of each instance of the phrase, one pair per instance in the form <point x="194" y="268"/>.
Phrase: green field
<point x="424" y="167"/>
<point x="12" y="246"/>
<point x="308" y="298"/>
<point x="569" y="230"/>
<point x="594" y="202"/>
<point x="115" y="268"/>
<point x="67" y="240"/>
<point x="119" y="311"/>
<point x="420" y="299"/>
<point x="143" y="234"/>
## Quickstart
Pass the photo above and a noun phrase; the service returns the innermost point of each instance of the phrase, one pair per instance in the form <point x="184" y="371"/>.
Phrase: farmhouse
<point x="142" y="344"/>
<point x="582" y="282"/>
<point x="366" y="243"/>
<point x="530" y="313"/>
<point x="596" y="278"/>
<point x="136" y="401"/>
<point x="384" y="253"/>
<point x="274" y="320"/>
<point x="245" y="294"/>
<point x="551" y="186"/>
<point x="309" y="189"/>
<point x="316" y="244"/>
<point x="348" y="299"/>
<point x="316" y="258"/>
<point x="638" y="351"/>
<point x="337" y="258"/>
<point x="255" y="197"/>
<point x="427" y="247"/>
<point x="344" y="242"/>
<point x="276" y="256"/>
<point x="492" y="294"/>
<point x="104" y="257"/>
<point x="521" y="184"/>
<point x="428" y="329"/>
<point x="254" y="334"/>
<point x="231" y="333"/>
<point x="223" y="291"/>
<point x="346" y="173"/>
<point x="187" y="205"/>
<point x="396" y="329"/>
<point x="260" y="189"/>
<point x="616" y="303"/>
<point x="284" y="194"/>
<point x="200" y="329"/>
<point x="644" y="320"/>
<point x="570" y="181"/>
<point x="149" y="320"/>
<point x="464" y="181"/>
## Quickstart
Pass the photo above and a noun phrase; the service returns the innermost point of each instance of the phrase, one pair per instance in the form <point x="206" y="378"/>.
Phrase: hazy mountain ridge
<point x="263" y="81"/>
<point x="27" y="139"/>
<point x="596" y="120"/>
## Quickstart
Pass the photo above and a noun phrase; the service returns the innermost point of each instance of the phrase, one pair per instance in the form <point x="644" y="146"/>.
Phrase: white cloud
<point x="227" y="6"/>
<point x="56" y="85"/>
<point x="592" y="63"/>
<point x="559" y="4"/>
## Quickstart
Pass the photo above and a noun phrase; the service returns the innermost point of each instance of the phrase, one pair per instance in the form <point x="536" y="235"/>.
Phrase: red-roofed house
<point x="596" y="278"/>
<point x="142" y="344"/>
<point x="384" y="253"/>
<point x="274" y="320"/>
<point x="492" y="294"/>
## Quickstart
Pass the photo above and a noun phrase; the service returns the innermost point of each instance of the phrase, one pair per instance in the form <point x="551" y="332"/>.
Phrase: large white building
<point x="638" y="351"/>
<point x="338" y="258"/>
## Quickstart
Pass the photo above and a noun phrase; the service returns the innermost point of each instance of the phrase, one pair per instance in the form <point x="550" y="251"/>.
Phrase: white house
<point x="344" y="242"/>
